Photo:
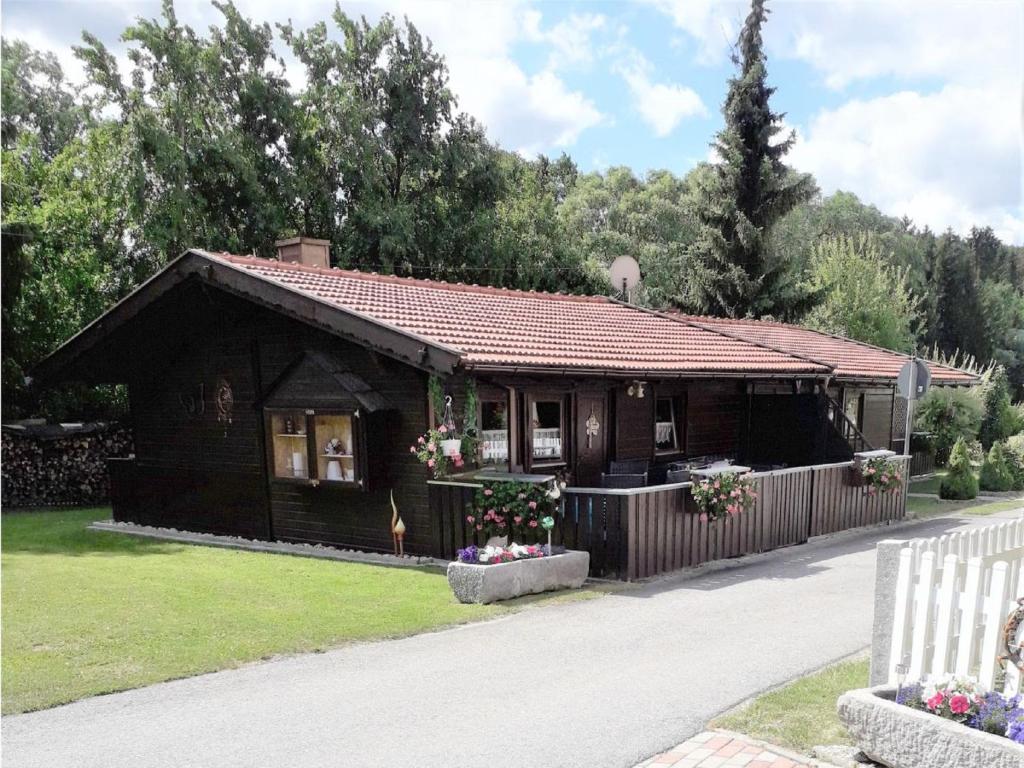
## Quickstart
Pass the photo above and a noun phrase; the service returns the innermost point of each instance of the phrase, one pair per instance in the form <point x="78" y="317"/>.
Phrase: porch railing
<point x="635" y="533"/>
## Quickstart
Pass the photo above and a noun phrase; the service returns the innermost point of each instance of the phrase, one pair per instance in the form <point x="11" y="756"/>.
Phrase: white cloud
<point x="661" y="105"/>
<point x="849" y="41"/>
<point x="713" y="24"/>
<point x="571" y="39"/>
<point x="951" y="158"/>
<point x="528" y="114"/>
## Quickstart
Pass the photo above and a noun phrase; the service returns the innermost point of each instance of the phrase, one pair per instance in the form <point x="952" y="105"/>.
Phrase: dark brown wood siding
<point x="634" y="425"/>
<point x="190" y="455"/>
<point x="714" y="415"/>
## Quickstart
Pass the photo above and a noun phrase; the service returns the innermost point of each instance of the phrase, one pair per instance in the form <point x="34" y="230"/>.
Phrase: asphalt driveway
<point x="603" y="682"/>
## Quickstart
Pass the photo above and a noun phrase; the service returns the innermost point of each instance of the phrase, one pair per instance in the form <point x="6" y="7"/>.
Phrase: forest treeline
<point x="205" y="142"/>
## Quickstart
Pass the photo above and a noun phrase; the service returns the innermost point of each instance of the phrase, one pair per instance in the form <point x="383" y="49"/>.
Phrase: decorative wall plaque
<point x="593" y="427"/>
<point x="225" y="402"/>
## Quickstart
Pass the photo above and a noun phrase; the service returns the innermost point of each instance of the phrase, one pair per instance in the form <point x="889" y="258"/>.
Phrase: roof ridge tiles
<point x="259" y="261"/>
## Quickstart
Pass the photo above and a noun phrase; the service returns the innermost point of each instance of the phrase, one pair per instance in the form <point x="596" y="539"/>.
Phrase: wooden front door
<point x="591" y="437"/>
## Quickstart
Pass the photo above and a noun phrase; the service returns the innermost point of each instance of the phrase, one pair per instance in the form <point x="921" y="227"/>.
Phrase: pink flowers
<point x="443" y="429"/>
<point x="470" y="519"/>
<point x="533" y="523"/>
<point x="725" y="495"/>
<point x="532" y="505"/>
<point x="959" y="704"/>
<point x="488" y="492"/>
<point x="882" y="474"/>
<point x="936" y="700"/>
<point x="517" y="519"/>
<point x="426" y="450"/>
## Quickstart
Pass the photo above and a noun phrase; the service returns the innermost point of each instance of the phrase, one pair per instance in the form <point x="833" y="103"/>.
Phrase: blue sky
<point x="914" y="106"/>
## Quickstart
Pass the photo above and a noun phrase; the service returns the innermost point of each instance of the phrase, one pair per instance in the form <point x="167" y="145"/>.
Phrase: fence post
<point x="887" y="565"/>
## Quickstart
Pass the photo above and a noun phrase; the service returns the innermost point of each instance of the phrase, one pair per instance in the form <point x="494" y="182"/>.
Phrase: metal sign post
<point x="912" y="383"/>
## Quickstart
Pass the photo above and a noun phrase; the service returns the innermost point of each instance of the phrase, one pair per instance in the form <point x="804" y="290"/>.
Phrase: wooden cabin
<point x="240" y="371"/>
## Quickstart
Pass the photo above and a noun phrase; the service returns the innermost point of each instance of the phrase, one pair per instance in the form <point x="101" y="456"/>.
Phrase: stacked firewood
<point x="50" y="465"/>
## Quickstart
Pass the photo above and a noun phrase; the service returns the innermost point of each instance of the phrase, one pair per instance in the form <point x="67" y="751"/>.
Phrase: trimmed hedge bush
<point x="996" y="474"/>
<point x="960" y="483"/>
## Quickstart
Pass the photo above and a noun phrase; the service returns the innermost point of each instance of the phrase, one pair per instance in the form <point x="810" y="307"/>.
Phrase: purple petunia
<point x="469" y="555"/>
<point x="1016" y="731"/>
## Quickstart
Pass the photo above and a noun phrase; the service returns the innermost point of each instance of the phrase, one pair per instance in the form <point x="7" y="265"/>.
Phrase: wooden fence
<point x="953" y="595"/>
<point x="635" y="533"/>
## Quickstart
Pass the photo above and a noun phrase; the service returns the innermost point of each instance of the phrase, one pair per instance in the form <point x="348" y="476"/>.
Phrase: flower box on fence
<point x="487" y="583"/>
<point x="898" y="736"/>
<point x="862" y="460"/>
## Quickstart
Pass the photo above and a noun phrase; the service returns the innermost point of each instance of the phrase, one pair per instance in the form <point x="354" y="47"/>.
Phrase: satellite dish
<point x="624" y="274"/>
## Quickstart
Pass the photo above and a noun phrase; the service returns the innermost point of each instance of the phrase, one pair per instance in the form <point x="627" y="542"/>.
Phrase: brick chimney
<point x="304" y="250"/>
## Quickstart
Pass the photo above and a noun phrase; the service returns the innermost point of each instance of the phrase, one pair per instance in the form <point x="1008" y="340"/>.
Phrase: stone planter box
<point x="474" y="583"/>
<point x="901" y="737"/>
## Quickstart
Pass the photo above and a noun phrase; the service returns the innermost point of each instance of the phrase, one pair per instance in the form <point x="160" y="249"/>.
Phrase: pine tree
<point x="749" y="191"/>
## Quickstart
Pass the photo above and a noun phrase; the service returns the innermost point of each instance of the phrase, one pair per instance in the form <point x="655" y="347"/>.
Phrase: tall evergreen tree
<point x="733" y="271"/>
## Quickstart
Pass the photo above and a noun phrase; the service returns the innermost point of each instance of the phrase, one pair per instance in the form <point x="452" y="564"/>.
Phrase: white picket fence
<point x="953" y="596"/>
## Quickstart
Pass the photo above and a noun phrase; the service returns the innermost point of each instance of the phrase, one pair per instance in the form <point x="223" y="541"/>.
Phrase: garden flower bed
<point x="489" y="574"/>
<point x="950" y="723"/>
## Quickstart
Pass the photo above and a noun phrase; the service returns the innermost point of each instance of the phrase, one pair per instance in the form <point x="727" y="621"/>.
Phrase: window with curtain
<point x="666" y="429"/>
<point x="494" y="432"/>
<point x="546" y="426"/>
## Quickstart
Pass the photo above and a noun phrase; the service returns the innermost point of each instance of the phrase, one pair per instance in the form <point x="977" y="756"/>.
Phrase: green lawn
<point x="922" y="507"/>
<point x="802" y="714"/>
<point x="88" y="612"/>
<point x="929" y="484"/>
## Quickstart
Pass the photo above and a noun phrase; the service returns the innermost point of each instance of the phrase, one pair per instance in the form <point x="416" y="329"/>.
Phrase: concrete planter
<point x="474" y="583"/>
<point x="901" y="737"/>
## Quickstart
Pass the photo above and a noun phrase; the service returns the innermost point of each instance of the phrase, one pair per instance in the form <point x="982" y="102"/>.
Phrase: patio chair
<point x="656" y="474"/>
<point x="677" y="476"/>
<point x="635" y="480"/>
<point x="628" y="467"/>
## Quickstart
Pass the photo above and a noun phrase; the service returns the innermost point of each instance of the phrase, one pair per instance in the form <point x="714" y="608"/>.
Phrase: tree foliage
<point x="203" y="141"/>
<point x="733" y="271"/>
<point x="863" y="296"/>
<point x="949" y="414"/>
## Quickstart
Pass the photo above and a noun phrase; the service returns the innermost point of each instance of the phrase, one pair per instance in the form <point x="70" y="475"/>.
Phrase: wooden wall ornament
<point x="593" y="427"/>
<point x="225" y="400"/>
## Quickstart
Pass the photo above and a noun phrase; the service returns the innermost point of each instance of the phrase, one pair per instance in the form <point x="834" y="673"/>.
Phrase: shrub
<point x="1000" y="419"/>
<point x="1015" y="458"/>
<point x="960" y="483"/>
<point x="996" y="474"/>
<point x="949" y="414"/>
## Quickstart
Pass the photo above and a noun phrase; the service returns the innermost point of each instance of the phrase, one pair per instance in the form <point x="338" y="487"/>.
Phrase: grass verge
<point x="802" y="714"/>
<point x="88" y="612"/>
<point x="922" y="507"/>
<point x="928" y="484"/>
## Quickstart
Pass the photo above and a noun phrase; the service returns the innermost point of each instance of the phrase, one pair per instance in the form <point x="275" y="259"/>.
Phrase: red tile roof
<point x="849" y="358"/>
<point x="497" y="327"/>
<point x="502" y="328"/>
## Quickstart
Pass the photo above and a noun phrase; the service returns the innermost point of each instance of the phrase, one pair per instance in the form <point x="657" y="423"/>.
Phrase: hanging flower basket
<point x="451" y="447"/>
